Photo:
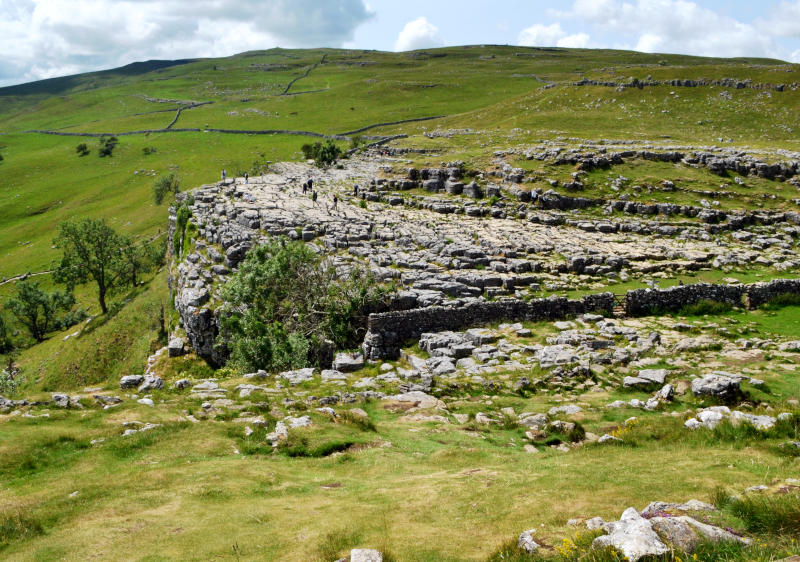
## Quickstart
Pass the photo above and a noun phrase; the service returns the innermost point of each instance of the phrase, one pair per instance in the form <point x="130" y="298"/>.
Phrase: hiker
<point x="355" y="190"/>
<point x="246" y="177"/>
<point x="305" y="187"/>
<point x="223" y="174"/>
<point x="335" y="202"/>
<point x="310" y="183"/>
<point x="314" y="197"/>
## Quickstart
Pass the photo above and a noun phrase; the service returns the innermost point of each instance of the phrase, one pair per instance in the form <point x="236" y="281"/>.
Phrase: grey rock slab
<point x="332" y="375"/>
<point x="348" y="362"/>
<point x="175" y="348"/>
<point x="298" y="376"/>
<point x="567" y="410"/>
<point x="365" y="555"/>
<point x="151" y="382"/>
<point x="130" y="381"/>
<point x="718" y="386"/>
<point x="658" y="376"/>
<point x="419" y="398"/>
<point x="632" y="535"/>
<point x="526" y="542"/>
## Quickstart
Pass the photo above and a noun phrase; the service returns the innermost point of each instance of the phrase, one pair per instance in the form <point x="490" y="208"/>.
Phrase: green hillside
<point x="434" y="483"/>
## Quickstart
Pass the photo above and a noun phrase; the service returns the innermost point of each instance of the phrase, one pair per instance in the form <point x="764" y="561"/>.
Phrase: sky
<point x="48" y="38"/>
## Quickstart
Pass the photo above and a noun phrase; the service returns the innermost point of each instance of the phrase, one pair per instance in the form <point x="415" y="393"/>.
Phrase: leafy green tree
<point x="92" y="252"/>
<point x="82" y="149"/>
<point x="163" y="185"/>
<point x="107" y="146"/>
<point x="39" y="310"/>
<point x="138" y="259"/>
<point x="285" y="304"/>
<point x="322" y="154"/>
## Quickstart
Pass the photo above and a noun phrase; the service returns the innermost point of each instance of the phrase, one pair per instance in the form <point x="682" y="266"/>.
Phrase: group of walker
<point x="308" y="185"/>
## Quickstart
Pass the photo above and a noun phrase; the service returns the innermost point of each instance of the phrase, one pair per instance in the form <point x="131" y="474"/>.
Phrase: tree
<point x="107" y="145"/>
<point x="163" y="185"/>
<point x="82" y="149"/>
<point x="285" y="303"/>
<point x="141" y="258"/>
<point x="39" y="310"/>
<point x="322" y="154"/>
<point x="92" y="252"/>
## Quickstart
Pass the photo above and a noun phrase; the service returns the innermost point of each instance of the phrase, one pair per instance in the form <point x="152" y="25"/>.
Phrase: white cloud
<point x="783" y="20"/>
<point x="418" y="34"/>
<point x="45" y="38"/>
<point x="677" y="26"/>
<point x="539" y="35"/>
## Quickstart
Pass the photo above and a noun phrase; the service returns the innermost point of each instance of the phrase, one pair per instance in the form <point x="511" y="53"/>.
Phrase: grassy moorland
<point x="197" y="488"/>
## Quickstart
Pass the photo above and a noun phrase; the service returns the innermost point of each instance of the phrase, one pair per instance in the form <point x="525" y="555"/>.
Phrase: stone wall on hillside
<point x="760" y="293"/>
<point x="387" y="332"/>
<point x="642" y="302"/>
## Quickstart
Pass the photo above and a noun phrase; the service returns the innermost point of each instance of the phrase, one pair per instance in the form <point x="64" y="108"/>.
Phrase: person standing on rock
<point x="305" y="187"/>
<point x="355" y="190"/>
<point x="223" y="174"/>
<point x="314" y="198"/>
<point x="246" y="177"/>
<point x="335" y="202"/>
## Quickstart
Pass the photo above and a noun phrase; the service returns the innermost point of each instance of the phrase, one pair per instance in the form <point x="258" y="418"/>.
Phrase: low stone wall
<point x="387" y="332"/>
<point x="760" y="293"/>
<point x="642" y="302"/>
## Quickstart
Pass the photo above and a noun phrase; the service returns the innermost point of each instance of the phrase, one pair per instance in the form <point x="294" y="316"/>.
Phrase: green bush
<point x="322" y="154"/>
<point x="107" y="146"/>
<point x="181" y="220"/>
<point x="82" y="149"/>
<point x="40" y="311"/>
<point x="148" y="150"/>
<point x="286" y="307"/>
<point x="164" y="185"/>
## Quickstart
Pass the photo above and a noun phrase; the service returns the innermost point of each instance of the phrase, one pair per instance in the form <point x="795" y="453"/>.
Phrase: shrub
<point x="322" y="154"/>
<point x="148" y="150"/>
<point x="82" y="149"/>
<point x="181" y="219"/>
<point x="163" y="185"/>
<point x="356" y="142"/>
<point x="107" y="146"/>
<point x="286" y="307"/>
<point x="37" y="310"/>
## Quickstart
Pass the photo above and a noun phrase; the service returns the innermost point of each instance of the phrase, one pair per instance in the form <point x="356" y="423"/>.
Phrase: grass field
<point x="416" y="490"/>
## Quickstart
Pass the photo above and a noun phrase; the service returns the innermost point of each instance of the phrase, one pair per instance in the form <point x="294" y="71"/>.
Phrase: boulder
<point x="365" y="555"/>
<point x="658" y="376"/>
<point x="719" y="386"/>
<point x="130" y="381"/>
<point x="526" y="542"/>
<point x="418" y="398"/>
<point x="567" y="410"/>
<point x="151" y="382"/>
<point x="60" y="400"/>
<point x="348" y="362"/>
<point x="633" y="536"/>
<point x="176" y="348"/>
